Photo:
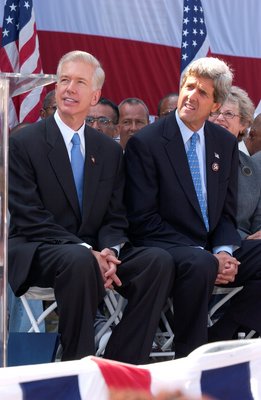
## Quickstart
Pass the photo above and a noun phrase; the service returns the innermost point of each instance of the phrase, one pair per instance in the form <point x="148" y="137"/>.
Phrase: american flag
<point x="194" y="33"/>
<point x="153" y="29"/>
<point x="19" y="52"/>
<point x="221" y="370"/>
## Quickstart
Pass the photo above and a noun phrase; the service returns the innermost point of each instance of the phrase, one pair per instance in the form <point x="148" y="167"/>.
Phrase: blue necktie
<point x="77" y="162"/>
<point x="195" y="173"/>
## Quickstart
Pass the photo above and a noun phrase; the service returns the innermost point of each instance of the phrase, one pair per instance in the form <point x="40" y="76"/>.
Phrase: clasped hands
<point x="228" y="268"/>
<point x="254" y="236"/>
<point x="108" y="266"/>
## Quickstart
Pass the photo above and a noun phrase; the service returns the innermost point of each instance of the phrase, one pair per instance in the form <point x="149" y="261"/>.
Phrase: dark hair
<point x="48" y="99"/>
<point x="107" y="102"/>
<point x="173" y="94"/>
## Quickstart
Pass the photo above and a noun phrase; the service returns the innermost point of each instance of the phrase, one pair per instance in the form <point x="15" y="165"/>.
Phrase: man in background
<point x="167" y="104"/>
<point x="49" y="105"/>
<point x="252" y="143"/>
<point x="134" y="115"/>
<point x="104" y="117"/>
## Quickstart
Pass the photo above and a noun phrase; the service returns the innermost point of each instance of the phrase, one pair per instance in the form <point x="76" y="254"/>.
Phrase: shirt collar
<point x="186" y="133"/>
<point x="67" y="132"/>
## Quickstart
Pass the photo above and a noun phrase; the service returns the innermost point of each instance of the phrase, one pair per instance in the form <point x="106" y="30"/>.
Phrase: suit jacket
<point x="43" y="202"/>
<point x="249" y="195"/>
<point x="257" y="158"/>
<point x="161" y="200"/>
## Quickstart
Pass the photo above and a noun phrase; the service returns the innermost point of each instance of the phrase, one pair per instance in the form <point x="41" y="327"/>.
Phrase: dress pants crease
<point x="147" y="282"/>
<point x="76" y="279"/>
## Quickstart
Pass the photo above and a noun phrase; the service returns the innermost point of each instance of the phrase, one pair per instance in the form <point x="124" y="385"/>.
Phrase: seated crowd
<point x="101" y="198"/>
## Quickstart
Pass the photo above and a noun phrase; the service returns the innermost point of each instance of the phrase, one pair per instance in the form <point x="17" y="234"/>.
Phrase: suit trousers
<point x="195" y="275"/>
<point x="244" y="310"/>
<point x="73" y="272"/>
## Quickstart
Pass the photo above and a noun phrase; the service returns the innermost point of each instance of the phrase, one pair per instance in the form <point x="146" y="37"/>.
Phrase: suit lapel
<point x="58" y="157"/>
<point x="93" y="168"/>
<point x="213" y="162"/>
<point x="179" y="162"/>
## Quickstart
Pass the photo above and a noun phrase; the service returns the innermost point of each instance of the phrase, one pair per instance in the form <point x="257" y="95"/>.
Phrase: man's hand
<point x="256" y="235"/>
<point x="108" y="267"/>
<point x="228" y="268"/>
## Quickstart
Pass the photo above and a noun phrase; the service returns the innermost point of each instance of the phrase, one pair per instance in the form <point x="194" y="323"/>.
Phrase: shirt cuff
<point x="117" y="248"/>
<point x="227" y="248"/>
<point x="86" y="245"/>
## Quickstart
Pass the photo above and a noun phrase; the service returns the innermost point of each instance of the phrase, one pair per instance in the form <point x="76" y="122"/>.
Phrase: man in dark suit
<point x="63" y="239"/>
<point x="190" y="210"/>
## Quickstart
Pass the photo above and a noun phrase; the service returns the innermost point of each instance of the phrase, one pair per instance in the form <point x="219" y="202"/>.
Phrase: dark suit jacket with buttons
<point x="46" y="209"/>
<point x="163" y="209"/>
<point x="249" y="195"/>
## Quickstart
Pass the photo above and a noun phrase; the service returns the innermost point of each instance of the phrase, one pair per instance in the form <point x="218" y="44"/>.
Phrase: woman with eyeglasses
<point x="237" y="115"/>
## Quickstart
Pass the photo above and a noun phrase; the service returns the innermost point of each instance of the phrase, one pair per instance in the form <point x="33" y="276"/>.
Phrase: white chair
<point x="114" y="307"/>
<point x="162" y="346"/>
<point x="226" y="293"/>
<point x="38" y="293"/>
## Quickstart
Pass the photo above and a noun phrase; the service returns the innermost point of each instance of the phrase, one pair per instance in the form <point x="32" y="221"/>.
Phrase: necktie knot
<point x="194" y="138"/>
<point x="76" y="139"/>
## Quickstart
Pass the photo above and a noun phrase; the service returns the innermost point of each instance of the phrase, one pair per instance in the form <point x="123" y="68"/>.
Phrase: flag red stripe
<point x="28" y="49"/>
<point x="139" y="69"/>
<point x="5" y="62"/>
<point x="124" y="376"/>
<point x="133" y="68"/>
<point x="26" y="60"/>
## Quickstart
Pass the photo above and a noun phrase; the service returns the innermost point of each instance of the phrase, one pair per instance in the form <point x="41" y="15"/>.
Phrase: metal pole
<point x="4" y="96"/>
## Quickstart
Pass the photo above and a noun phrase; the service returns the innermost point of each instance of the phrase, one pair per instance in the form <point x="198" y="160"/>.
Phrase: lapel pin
<point x="246" y="171"/>
<point x="216" y="155"/>
<point x="92" y="159"/>
<point x="215" y="167"/>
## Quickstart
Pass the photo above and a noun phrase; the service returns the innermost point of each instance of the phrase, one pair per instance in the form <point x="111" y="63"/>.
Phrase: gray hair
<point x="245" y="105"/>
<point x="78" y="55"/>
<point x="216" y="70"/>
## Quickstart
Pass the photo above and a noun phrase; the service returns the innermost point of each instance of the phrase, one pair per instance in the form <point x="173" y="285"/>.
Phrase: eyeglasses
<point x="54" y="108"/>
<point x="100" y="120"/>
<point x="167" y="112"/>
<point x="226" y="114"/>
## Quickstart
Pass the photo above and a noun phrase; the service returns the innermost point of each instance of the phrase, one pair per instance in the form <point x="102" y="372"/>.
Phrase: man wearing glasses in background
<point x="104" y="117"/>
<point x="167" y="104"/>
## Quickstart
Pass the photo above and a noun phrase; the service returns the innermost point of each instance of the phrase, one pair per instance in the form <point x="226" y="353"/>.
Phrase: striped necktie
<point x="195" y="173"/>
<point x="77" y="162"/>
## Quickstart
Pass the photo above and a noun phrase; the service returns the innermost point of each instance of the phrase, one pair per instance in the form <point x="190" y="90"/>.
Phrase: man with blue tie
<point x="68" y="223"/>
<point x="181" y="195"/>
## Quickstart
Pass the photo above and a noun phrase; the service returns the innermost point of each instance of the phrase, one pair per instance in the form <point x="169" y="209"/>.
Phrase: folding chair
<point x="162" y="346"/>
<point x="38" y="293"/>
<point x="226" y="294"/>
<point x="114" y="306"/>
<point x="113" y="301"/>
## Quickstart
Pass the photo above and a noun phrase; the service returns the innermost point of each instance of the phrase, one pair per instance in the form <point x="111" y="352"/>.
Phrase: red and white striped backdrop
<point x="138" y="42"/>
